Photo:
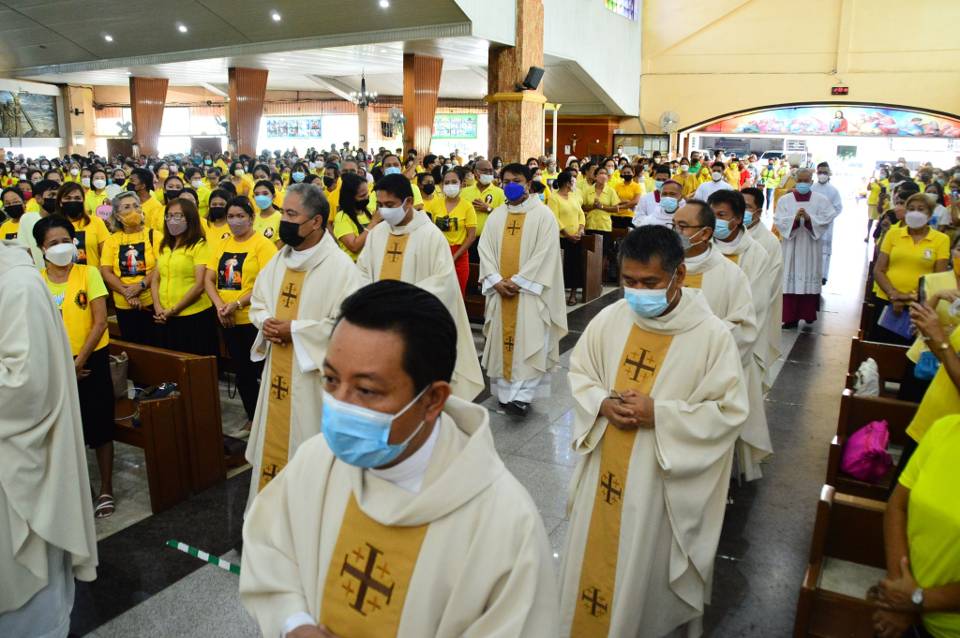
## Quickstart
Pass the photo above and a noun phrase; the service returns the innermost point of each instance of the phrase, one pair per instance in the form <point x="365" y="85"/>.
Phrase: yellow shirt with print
<point x="491" y="195"/>
<point x="626" y="192"/>
<point x="457" y="221"/>
<point x="568" y="211"/>
<point x="235" y="267"/>
<point x="91" y="235"/>
<point x="132" y="257"/>
<point x="343" y="225"/>
<point x="909" y="260"/>
<point x="73" y="297"/>
<point x="9" y="229"/>
<point x="176" y="269"/>
<point x="215" y="235"/>
<point x="933" y="519"/>
<point x="599" y="219"/>
<point x="269" y="227"/>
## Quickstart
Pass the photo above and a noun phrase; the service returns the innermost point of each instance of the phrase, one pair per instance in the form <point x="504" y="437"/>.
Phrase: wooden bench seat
<point x="891" y="361"/>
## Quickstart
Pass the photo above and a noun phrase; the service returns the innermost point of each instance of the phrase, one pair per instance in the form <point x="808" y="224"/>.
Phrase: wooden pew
<point x="867" y="317"/>
<point x="197" y="423"/>
<point x="891" y="362"/>
<point x="147" y="425"/>
<point x="856" y="412"/>
<point x="846" y="559"/>
<point x="592" y="267"/>
<point x="474" y="301"/>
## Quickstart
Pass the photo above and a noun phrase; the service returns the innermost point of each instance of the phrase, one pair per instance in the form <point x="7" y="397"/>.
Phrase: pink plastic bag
<point x="865" y="456"/>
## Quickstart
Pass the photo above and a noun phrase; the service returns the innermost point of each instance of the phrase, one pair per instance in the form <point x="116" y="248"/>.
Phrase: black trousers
<point x="572" y="263"/>
<point x="239" y="339"/>
<point x="195" y="334"/>
<point x="137" y="326"/>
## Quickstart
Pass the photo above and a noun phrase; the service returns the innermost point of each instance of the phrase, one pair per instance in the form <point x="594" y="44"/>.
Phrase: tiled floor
<point x="146" y="589"/>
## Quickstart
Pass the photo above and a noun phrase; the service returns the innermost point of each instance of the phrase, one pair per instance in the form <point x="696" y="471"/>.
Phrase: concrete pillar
<point x="80" y="135"/>
<point x="147" y="99"/>
<point x="421" y="88"/>
<point x="247" y="90"/>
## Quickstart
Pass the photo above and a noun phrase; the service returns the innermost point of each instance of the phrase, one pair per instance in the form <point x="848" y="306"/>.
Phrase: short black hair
<point x="396" y="184"/>
<point x="563" y="179"/>
<point x="518" y="169"/>
<point x="242" y="203"/>
<point x="46" y="224"/>
<point x="661" y="168"/>
<point x="428" y="331"/>
<point x="718" y="164"/>
<point x="146" y="177"/>
<point x="756" y="194"/>
<point x="705" y="216"/>
<point x="45" y="185"/>
<point x="730" y="197"/>
<point x="647" y="242"/>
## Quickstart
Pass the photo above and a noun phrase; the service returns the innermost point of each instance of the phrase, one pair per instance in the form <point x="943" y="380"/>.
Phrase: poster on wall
<point x="626" y="8"/>
<point x="305" y="127"/>
<point x="842" y="120"/>
<point x="28" y="115"/>
<point x="455" y="126"/>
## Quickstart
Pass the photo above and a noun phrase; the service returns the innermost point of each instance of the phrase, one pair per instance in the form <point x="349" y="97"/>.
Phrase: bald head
<point x="804" y="175"/>
<point x="482" y="166"/>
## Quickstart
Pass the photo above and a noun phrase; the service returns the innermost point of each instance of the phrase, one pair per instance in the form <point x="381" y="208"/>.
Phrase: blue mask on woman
<point x="391" y="170"/>
<point x="722" y="229"/>
<point x="263" y="201"/>
<point x="648" y="302"/>
<point x="298" y="176"/>
<point x="803" y="188"/>
<point x="359" y="436"/>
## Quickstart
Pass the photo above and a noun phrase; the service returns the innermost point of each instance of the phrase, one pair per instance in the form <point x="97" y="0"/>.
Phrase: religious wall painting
<point x="838" y="120"/>
<point x="28" y="115"/>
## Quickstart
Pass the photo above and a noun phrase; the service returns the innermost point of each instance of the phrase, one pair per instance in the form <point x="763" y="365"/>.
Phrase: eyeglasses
<point x="675" y="226"/>
<point x="176" y="217"/>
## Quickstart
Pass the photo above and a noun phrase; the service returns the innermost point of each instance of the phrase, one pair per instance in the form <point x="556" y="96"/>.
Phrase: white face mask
<point x="74" y="171"/>
<point x="196" y="184"/>
<point x="61" y="254"/>
<point x="85" y="182"/>
<point x="393" y="216"/>
<point x="451" y="190"/>
<point x="716" y="176"/>
<point x="99" y="183"/>
<point x="823" y="178"/>
<point x="915" y="219"/>
<point x="238" y="172"/>
<point x="485" y="179"/>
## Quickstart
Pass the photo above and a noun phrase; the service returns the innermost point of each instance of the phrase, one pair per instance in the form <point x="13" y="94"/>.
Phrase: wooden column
<point x="421" y="87"/>
<point x="147" y="99"/>
<point x="515" y="118"/>
<point x="247" y="90"/>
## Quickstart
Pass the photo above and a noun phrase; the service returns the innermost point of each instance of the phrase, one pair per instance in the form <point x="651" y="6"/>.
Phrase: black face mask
<point x="428" y="188"/>
<point x="329" y="182"/>
<point x="73" y="210"/>
<point x="14" y="211"/>
<point x="290" y="233"/>
<point x="171" y="195"/>
<point x="217" y="213"/>
<point x="361" y="204"/>
<point x="627" y="178"/>
<point x="49" y="204"/>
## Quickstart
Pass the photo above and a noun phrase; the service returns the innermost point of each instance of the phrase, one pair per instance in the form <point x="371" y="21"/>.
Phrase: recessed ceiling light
<point x="276" y="16"/>
<point x="182" y="28"/>
<point x="384" y="4"/>
<point x="108" y="37"/>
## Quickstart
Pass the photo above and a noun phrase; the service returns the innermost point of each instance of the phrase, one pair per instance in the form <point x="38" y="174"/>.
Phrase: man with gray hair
<point x="295" y="302"/>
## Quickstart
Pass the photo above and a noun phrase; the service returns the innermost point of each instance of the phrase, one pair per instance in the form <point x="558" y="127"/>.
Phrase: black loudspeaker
<point x="532" y="81"/>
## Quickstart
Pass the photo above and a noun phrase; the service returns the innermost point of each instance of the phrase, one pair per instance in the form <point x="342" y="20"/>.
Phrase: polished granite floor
<point x="146" y="589"/>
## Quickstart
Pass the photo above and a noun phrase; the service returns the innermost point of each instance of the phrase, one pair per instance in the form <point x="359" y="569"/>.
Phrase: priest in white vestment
<point x="758" y="231"/>
<point x="409" y="247"/>
<point x="521" y="275"/>
<point x="295" y="301"/>
<point x="660" y="401"/>
<point x="47" y="536"/>
<point x="658" y="207"/>
<point x="401" y="520"/>
<point x="823" y="187"/>
<point x="802" y="217"/>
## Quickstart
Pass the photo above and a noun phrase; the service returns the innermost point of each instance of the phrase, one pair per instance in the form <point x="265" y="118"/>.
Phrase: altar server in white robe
<point x="295" y="302"/>
<point x="717" y="183"/>
<point x="823" y="187"/>
<point x="753" y="212"/>
<point x="409" y="247"/>
<point x="802" y="217"/>
<point x="47" y="537"/>
<point x="522" y="278"/>
<point x="659" y="403"/>
<point x="401" y="520"/>
<point x="661" y="205"/>
<point x="727" y="291"/>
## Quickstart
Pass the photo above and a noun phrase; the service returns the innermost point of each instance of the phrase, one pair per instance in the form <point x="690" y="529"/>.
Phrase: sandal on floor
<point x="104" y="506"/>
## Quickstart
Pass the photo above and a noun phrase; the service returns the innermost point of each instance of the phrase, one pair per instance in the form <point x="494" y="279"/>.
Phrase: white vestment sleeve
<point x="306" y="334"/>
<point x="489" y="282"/>
<point x="298" y="619"/>
<point x="526" y="285"/>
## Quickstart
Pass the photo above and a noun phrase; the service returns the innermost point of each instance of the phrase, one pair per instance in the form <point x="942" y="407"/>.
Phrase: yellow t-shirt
<point x="626" y="192"/>
<point x="73" y="297"/>
<point x="873" y="198"/>
<point x="492" y="195"/>
<point x="153" y="212"/>
<point x="598" y="219"/>
<point x="93" y="200"/>
<point x="460" y="218"/>
<point x="269" y="227"/>
<point x="333" y="195"/>
<point x="132" y="257"/>
<point x="33" y="206"/>
<point x="932" y="284"/>
<point x="568" y="212"/>
<point x="203" y="201"/>
<point x="10" y="228"/>
<point x="910" y="260"/>
<point x="235" y="266"/>
<point x="215" y="235"/>
<point x="933" y="518"/>
<point x="176" y="269"/>
<point x="343" y="225"/>
<point x="940" y="399"/>
<point x="90" y="236"/>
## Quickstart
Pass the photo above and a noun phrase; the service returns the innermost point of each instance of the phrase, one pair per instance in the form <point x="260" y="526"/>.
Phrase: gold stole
<point x="693" y="280"/>
<point x="276" y="439"/>
<point x="510" y="266"/>
<point x="642" y="357"/>
<point x="734" y="258"/>
<point x="369" y="575"/>
<point x="393" y="254"/>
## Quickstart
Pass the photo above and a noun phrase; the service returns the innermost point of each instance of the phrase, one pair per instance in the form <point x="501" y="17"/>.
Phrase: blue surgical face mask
<point x="722" y="229"/>
<point x="658" y="183"/>
<point x="359" y="436"/>
<point x="263" y="201"/>
<point x="513" y="191"/>
<point x="391" y="170"/>
<point x="747" y="217"/>
<point x="648" y="302"/>
<point x="803" y="188"/>
<point x="298" y="176"/>
<point x="669" y="204"/>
